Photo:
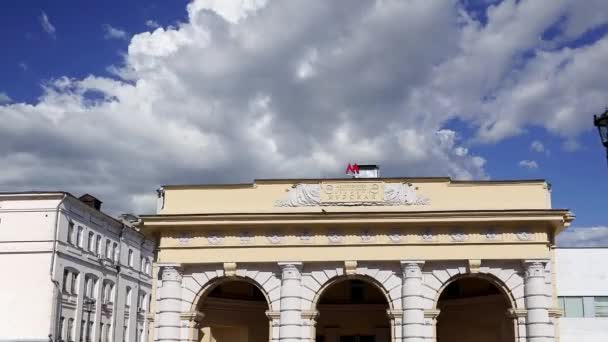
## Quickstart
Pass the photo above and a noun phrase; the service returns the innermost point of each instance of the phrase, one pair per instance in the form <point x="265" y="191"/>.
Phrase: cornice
<point x="558" y="217"/>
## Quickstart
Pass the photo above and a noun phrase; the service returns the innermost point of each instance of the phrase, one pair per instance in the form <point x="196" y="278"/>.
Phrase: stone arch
<point x="317" y="280"/>
<point x="211" y="285"/>
<point x="484" y="276"/>
<point x="507" y="279"/>
<point x="197" y="285"/>
<point x="372" y="281"/>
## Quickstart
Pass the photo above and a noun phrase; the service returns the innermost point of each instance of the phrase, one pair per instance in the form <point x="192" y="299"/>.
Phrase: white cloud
<point x="4" y="98"/>
<point x="528" y="164"/>
<point x="246" y="89"/>
<point x="111" y="32"/>
<point x="152" y="24"/>
<point x="584" y="237"/>
<point x="537" y="146"/>
<point x="23" y="66"/>
<point x="46" y="24"/>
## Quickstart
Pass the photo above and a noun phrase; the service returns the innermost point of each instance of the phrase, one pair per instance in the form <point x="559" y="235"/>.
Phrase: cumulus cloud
<point x="583" y="237"/>
<point x="45" y="22"/>
<point x="246" y="89"/>
<point x="537" y="146"/>
<point x="528" y="164"/>
<point x="152" y="24"/>
<point x="4" y="98"/>
<point x="111" y="32"/>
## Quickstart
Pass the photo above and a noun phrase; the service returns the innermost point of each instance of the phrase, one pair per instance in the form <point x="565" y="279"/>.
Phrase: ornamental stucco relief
<point x="395" y="236"/>
<point x="245" y="238"/>
<point x="352" y="194"/>
<point x="214" y="239"/>
<point x="274" y="238"/>
<point x="428" y="236"/>
<point x="524" y="236"/>
<point x="334" y="237"/>
<point x="458" y="236"/>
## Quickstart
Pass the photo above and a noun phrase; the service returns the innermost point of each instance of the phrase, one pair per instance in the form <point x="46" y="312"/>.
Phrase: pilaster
<point x="290" y="329"/>
<point x="539" y="327"/>
<point x="169" y="303"/>
<point x="413" y="309"/>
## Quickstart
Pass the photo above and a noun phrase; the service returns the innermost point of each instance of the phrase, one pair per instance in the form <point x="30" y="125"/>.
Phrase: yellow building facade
<point x="356" y="260"/>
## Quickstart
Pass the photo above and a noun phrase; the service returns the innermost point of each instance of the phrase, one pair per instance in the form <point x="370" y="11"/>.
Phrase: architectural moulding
<point x="230" y="269"/>
<point x="350" y="267"/>
<point x="474" y="266"/>
<point x="351" y="194"/>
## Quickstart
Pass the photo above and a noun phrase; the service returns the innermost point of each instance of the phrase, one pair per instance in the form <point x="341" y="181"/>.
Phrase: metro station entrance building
<point x="356" y="260"/>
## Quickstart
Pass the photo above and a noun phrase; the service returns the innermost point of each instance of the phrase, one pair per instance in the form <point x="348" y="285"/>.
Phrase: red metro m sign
<point x="352" y="169"/>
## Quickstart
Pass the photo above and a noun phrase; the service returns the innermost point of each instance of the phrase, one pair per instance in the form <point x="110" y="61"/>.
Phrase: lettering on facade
<point x="352" y="192"/>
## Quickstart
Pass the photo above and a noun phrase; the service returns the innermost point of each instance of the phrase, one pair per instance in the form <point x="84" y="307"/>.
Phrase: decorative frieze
<point x="353" y="236"/>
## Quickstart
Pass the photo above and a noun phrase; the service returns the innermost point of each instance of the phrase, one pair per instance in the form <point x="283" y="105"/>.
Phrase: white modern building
<point x="71" y="272"/>
<point x="582" y="289"/>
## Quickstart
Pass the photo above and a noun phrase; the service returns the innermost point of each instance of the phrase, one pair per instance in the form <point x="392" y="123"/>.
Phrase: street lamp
<point x="601" y="122"/>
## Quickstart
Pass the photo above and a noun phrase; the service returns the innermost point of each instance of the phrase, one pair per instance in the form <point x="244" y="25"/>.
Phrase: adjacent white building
<point x="71" y="272"/>
<point x="582" y="290"/>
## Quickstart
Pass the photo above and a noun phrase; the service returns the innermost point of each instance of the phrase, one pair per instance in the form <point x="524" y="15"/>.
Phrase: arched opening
<point x="234" y="311"/>
<point x="353" y="310"/>
<point x="473" y="309"/>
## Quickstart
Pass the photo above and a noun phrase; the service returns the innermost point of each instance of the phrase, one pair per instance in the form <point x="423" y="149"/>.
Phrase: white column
<point x="169" y="302"/>
<point x="413" y="310"/>
<point x="290" y="306"/>
<point x="537" y="298"/>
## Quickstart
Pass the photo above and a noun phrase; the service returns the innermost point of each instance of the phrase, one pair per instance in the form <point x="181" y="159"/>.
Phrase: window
<point x="61" y="326"/>
<point x="115" y="251"/>
<point x="70" y="331"/>
<point x="111" y="299"/>
<point x="101" y="332"/>
<point x="82" y="328"/>
<point x="89" y="330"/>
<point x="108" y="249"/>
<point x="107" y="293"/>
<point x="74" y="283"/>
<point x="66" y="275"/>
<point x="141" y="300"/>
<point x="130" y="258"/>
<point x="79" y="236"/>
<point x="128" y="297"/>
<point x="148" y="268"/>
<point x="91" y="242"/>
<point x="601" y="306"/>
<point x="572" y="306"/>
<point x="98" y="245"/>
<point x="90" y="286"/>
<point x="71" y="233"/>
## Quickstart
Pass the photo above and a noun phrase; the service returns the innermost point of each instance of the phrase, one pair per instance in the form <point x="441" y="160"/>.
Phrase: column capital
<point x="535" y="262"/>
<point x="412" y="268"/>
<point x="535" y="267"/>
<point x="192" y="316"/>
<point x="273" y="314"/>
<point x="290" y="269"/>
<point x="171" y="271"/>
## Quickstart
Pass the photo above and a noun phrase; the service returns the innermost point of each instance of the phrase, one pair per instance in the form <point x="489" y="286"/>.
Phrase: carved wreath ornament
<point x="309" y="195"/>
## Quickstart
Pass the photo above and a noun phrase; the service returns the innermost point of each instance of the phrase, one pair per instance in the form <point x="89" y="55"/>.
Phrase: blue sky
<point x="470" y="89"/>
